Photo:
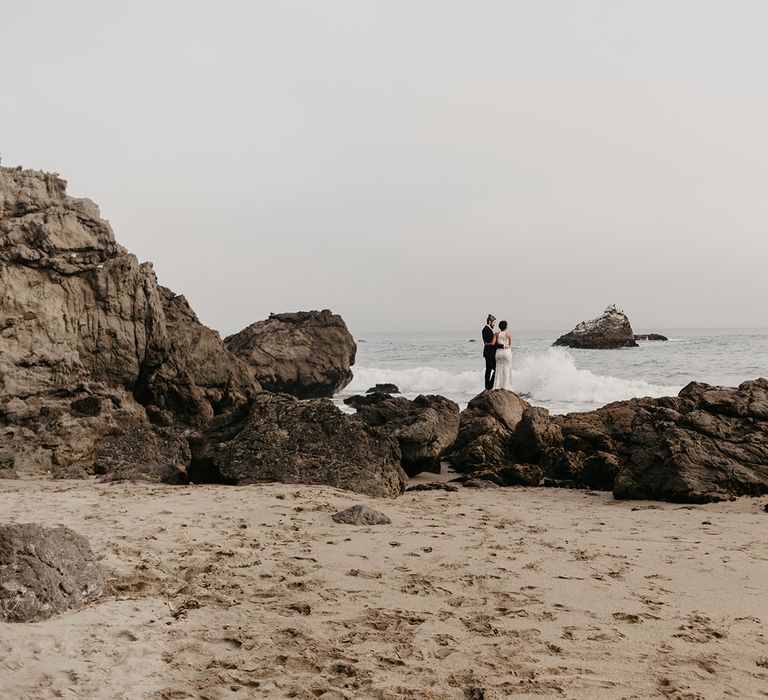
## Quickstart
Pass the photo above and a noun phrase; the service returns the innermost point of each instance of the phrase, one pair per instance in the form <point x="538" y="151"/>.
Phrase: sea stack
<point x="610" y="331"/>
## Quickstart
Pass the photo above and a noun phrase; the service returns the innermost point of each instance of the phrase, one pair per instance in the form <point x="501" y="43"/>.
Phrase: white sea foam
<point x="554" y="378"/>
<point x="550" y="379"/>
<point x="419" y="380"/>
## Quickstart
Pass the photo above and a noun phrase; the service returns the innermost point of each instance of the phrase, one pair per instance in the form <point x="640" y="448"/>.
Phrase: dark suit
<point x="489" y="353"/>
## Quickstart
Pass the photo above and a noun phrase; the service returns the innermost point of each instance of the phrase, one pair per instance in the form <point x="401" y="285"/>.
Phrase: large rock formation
<point x="609" y="331"/>
<point x="89" y="342"/>
<point x="486" y="427"/>
<point x="302" y="442"/>
<point x="45" y="571"/>
<point x="306" y="354"/>
<point x="425" y="428"/>
<point x="706" y="444"/>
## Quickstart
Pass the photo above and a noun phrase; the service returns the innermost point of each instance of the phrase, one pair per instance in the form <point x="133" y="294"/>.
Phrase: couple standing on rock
<point x="497" y="354"/>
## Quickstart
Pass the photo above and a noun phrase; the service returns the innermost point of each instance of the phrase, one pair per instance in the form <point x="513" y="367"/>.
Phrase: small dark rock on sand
<point x="479" y="484"/>
<point x="433" y="486"/>
<point x="361" y="515"/>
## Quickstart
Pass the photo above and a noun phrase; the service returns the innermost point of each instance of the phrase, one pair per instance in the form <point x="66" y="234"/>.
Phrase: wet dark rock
<point x="511" y="475"/>
<point x="383" y="389"/>
<point x="609" y="331"/>
<point x="709" y="443"/>
<point x="480" y="484"/>
<point x="651" y="336"/>
<point x="311" y="442"/>
<point x="307" y="354"/>
<point x="425" y="428"/>
<point x="361" y="515"/>
<point x="433" y="486"/>
<point x="144" y="453"/>
<point x="560" y="483"/>
<point x="45" y="571"/>
<point x="706" y="444"/>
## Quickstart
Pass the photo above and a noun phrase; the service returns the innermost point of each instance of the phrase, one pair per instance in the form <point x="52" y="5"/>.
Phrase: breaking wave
<point x="550" y="379"/>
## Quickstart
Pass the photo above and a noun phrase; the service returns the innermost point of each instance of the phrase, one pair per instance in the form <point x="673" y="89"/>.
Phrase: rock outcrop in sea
<point x="105" y="372"/>
<point x="307" y="354"/>
<point x="610" y="331"/>
<point x="650" y="336"/>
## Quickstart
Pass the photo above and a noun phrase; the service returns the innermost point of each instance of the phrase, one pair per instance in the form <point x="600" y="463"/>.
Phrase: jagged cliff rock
<point x="609" y="331"/>
<point x="89" y="341"/>
<point x="307" y="354"/>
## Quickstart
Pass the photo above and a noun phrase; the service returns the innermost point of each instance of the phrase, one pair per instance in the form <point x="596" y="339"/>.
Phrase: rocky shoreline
<point x="107" y="373"/>
<point x="280" y="576"/>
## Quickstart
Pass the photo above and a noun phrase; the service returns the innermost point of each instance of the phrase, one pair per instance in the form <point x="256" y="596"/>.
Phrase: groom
<point x="489" y="350"/>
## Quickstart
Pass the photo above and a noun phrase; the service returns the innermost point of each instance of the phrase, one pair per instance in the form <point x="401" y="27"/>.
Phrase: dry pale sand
<point x="477" y="594"/>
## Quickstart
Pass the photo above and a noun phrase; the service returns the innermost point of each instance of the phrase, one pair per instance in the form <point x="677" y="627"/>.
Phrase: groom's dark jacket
<point x="488" y="350"/>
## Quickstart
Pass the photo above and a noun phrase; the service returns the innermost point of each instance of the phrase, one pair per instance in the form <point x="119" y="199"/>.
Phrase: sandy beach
<point x="254" y="592"/>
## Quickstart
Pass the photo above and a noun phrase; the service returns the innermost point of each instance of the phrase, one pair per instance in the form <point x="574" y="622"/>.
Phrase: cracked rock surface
<point x="45" y="571"/>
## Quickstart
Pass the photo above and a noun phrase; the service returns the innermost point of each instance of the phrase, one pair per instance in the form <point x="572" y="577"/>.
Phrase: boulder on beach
<point x="308" y="354"/>
<point x="45" y="571"/>
<point x="88" y="339"/>
<point x="610" y="331"/>
<point x="304" y="442"/>
<point x="425" y="428"/>
<point x="361" y="515"/>
<point x="706" y="444"/>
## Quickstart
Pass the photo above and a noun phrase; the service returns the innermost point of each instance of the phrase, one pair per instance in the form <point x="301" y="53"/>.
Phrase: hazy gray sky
<point x="412" y="164"/>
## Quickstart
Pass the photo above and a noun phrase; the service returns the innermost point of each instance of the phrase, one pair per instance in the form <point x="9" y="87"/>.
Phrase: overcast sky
<point x="412" y="164"/>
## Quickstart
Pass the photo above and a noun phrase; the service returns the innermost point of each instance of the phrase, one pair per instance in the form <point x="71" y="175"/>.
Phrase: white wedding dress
<point x="502" y="378"/>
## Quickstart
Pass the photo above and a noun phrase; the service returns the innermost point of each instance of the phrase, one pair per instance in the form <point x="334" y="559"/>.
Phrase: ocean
<point x="559" y="379"/>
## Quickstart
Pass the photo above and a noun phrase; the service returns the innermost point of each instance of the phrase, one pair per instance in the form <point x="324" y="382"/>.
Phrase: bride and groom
<point x="497" y="354"/>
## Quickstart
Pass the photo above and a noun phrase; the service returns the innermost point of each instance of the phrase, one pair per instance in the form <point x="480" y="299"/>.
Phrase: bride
<point x="502" y="378"/>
